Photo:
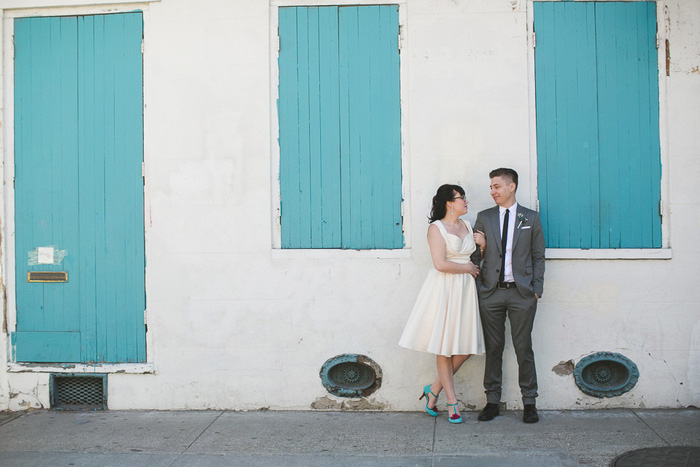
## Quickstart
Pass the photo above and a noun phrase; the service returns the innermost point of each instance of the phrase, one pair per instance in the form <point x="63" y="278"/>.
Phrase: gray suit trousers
<point x="520" y="311"/>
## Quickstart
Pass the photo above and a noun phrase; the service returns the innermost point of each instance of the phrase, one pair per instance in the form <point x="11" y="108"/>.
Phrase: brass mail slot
<point x="47" y="276"/>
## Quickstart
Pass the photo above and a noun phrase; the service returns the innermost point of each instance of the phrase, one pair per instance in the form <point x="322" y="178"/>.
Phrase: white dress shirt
<point x="508" y="273"/>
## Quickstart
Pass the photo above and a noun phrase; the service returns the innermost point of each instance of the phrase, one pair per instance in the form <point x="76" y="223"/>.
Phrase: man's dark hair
<point x="509" y="174"/>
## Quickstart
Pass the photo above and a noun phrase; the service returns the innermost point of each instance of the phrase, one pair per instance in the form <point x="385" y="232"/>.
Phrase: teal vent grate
<point x="351" y="375"/>
<point x="606" y="374"/>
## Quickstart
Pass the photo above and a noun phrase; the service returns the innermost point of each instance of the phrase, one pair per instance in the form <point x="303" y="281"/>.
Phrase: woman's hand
<point x="473" y="269"/>
<point x="480" y="239"/>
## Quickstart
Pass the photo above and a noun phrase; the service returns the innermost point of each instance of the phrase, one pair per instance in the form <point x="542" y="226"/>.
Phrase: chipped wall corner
<point x="28" y="391"/>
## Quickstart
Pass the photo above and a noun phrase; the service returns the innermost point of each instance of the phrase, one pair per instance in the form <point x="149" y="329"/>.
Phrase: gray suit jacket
<point x="528" y="252"/>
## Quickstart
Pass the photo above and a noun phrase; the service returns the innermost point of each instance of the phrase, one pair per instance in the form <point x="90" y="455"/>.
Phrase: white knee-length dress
<point x="445" y="318"/>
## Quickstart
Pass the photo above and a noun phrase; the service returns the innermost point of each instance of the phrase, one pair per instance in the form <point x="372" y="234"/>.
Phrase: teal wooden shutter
<point x="79" y="187"/>
<point x="111" y="155"/>
<point x="46" y="186"/>
<point x="340" y="127"/>
<point x="309" y="128"/>
<point x="628" y="102"/>
<point x="598" y="146"/>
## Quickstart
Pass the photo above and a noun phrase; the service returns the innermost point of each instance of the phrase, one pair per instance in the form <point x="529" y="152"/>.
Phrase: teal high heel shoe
<point x="454" y="418"/>
<point x="432" y="412"/>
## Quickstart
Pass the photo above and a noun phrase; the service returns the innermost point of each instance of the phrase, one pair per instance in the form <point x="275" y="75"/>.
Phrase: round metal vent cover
<point x="606" y="374"/>
<point x="351" y="375"/>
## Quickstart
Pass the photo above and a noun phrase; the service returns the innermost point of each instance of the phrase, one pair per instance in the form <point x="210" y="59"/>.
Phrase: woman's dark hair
<point x="444" y="194"/>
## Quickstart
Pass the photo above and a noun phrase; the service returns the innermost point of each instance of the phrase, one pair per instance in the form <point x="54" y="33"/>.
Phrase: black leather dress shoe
<point x="530" y="414"/>
<point x="489" y="413"/>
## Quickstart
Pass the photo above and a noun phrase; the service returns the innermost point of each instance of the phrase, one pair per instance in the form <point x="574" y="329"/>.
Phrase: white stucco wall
<point x="233" y="324"/>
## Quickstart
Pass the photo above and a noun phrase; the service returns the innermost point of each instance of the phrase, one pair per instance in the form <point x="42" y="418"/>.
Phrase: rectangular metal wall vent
<point x="78" y="392"/>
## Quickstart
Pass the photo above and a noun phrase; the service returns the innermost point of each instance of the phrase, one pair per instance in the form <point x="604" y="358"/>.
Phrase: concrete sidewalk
<point x="221" y="438"/>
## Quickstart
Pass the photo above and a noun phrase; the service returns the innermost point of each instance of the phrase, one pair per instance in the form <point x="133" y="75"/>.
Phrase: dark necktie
<point x="504" y="242"/>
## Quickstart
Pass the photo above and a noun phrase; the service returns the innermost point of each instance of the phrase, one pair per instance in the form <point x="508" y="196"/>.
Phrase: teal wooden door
<point x="79" y="188"/>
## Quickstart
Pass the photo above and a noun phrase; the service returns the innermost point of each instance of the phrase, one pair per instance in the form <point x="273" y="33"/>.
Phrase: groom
<point x="510" y="284"/>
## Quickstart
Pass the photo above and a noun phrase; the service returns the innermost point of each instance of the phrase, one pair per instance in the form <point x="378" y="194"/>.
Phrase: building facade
<point x="206" y="201"/>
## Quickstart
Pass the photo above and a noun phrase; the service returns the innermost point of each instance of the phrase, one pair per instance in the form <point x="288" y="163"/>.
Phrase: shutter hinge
<point x="279" y="45"/>
<point x="143" y="169"/>
<point x="658" y="41"/>
<point x="398" y="39"/>
<point x="661" y="208"/>
<point x="145" y="321"/>
<point x="141" y="46"/>
<point x="537" y="204"/>
<point x="534" y="41"/>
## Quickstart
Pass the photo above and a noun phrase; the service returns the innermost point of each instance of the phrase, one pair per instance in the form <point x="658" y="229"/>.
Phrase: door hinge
<point x="143" y="169"/>
<point x="661" y="208"/>
<point x="145" y="321"/>
<point x="537" y="204"/>
<point x="398" y="39"/>
<point x="141" y="46"/>
<point x="534" y="41"/>
<point x="279" y="45"/>
<point x="658" y="40"/>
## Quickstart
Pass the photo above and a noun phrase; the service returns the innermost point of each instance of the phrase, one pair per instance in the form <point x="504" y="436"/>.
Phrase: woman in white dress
<point x="445" y="319"/>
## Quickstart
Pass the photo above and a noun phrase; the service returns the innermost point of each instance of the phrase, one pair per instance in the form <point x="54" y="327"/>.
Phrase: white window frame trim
<point x="665" y="252"/>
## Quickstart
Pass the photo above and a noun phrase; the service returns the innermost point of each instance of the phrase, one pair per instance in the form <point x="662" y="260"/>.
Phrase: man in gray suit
<point x="510" y="284"/>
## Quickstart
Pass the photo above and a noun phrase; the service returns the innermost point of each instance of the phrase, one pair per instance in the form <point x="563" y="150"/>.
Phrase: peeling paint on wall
<point x="326" y="403"/>
<point x="564" y="368"/>
<point x="680" y="28"/>
<point x="26" y="398"/>
<point x="667" y="21"/>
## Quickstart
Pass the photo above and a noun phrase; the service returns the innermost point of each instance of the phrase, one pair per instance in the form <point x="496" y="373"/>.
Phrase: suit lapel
<point x="516" y="233"/>
<point x="495" y="226"/>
